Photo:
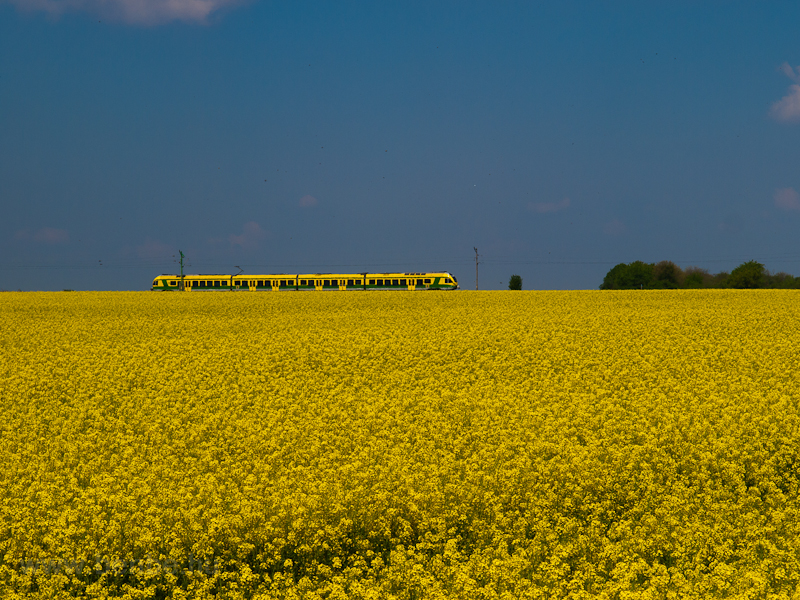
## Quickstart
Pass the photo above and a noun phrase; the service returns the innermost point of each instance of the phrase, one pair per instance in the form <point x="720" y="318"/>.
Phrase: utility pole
<point x="181" y="253"/>
<point x="476" y="267"/>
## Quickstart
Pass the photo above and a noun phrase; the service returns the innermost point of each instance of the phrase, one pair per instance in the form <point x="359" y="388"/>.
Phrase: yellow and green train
<point x="316" y="281"/>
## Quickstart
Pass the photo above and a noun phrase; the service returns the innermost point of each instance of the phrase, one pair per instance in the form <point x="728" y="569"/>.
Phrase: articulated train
<point x="316" y="281"/>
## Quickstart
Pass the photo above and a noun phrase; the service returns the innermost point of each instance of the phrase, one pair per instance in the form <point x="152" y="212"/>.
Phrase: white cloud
<point x="787" y="109"/>
<point x="787" y="199"/>
<point x="614" y="227"/>
<point x="307" y="201"/>
<point x="549" y="207"/>
<point x="45" y="235"/>
<point x="790" y="72"/>
<point x="139" y="12"/>
<point x="251" y="236"/>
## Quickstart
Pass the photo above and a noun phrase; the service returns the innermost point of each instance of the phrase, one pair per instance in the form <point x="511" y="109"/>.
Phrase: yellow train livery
<point x="441" y="280"/>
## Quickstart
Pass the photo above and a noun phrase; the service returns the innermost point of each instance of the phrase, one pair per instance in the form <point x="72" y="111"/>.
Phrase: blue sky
<point x="559" y="138"/>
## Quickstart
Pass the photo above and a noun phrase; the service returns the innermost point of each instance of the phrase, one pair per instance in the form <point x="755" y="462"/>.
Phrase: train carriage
<point x="441" y="280"/>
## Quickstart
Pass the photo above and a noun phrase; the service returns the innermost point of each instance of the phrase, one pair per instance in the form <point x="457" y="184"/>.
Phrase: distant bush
<point x="515" y="283"/>
<point x="668" y="275"/>
<point x="636" y="275"/>
<point x="749" y="275"/>
<point x="695" y="277"/>
<point x="782" y="280"/>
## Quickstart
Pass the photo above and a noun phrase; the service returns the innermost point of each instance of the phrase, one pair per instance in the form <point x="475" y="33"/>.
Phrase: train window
<point x="395" y="282"/>
<point x="350" y="282"/>
<point x="371" y="282"/>
<point x="173" y="283"/>
<point x="427" y="281"/>
<point x="403" y="282"/>
<point x="419" y="281"/>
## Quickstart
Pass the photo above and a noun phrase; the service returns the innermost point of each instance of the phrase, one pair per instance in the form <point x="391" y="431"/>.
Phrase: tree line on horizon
<point x="667" y="275"/>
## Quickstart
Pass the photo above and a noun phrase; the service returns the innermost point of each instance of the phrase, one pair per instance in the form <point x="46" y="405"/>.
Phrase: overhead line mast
<point x="476" y="267"/>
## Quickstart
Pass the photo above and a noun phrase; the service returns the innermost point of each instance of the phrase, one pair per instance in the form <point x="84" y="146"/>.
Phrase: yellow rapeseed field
<point x="400" y="445"/>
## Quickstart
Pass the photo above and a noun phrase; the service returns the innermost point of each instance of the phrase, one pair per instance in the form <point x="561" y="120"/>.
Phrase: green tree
<point x="748" y="275"/>
<point x="667" y="275"/>
<point x="636" y="275"/>
<point x="515" y="283"/>
<point x="615" y="278"/>
<point x="696" y="278"/>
